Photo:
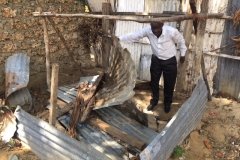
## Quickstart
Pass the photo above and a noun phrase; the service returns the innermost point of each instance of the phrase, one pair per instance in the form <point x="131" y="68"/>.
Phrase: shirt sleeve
<point x="135" y="36"/>
<point x="179" y="40"/>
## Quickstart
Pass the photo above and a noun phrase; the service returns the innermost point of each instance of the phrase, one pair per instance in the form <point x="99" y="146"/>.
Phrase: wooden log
<point x="61" y="38"/>
<point x="83" y="104"/>
<point x="199" y="45"/>
<point x="106" y="43"/>
<point x="119" y="134"/>
<point x="137" y="19"/>
<point x="53" y="98"/>
<point x="203" y="68"/>
<point x="223" y="55"/>
<point x="46" y="42"/>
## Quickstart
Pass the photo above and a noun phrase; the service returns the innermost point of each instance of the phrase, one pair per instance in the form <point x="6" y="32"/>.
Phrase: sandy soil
<point x="218" y="135"/>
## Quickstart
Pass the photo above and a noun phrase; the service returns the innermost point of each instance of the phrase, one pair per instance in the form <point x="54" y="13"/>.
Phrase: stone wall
<point x="21" y="32"/>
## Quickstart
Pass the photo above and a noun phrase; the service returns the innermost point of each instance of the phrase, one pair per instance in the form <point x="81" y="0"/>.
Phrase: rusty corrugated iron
<point x="17" y="72"/>
<point x="17" y="78"/>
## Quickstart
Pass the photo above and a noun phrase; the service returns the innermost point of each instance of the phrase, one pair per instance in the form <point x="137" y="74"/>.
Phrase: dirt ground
<point x="217" y="137"/>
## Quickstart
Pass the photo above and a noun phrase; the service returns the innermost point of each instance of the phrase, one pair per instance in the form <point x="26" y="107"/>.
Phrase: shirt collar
<point x="163" y="31"/>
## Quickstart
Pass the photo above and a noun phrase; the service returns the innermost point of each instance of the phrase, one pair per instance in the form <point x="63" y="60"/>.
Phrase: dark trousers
<point x="169" y="69"/>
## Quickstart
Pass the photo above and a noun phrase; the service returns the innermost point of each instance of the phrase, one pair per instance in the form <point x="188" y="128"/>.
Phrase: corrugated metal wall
<point x="141" y="52"/>
<point x="213" y="37"/>
<point x="228" y="72"/>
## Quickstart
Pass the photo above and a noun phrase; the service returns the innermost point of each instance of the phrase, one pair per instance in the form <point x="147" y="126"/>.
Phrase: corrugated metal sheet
<point x="227" y="79"/>
<point x="182" y="123"/>
<point x="96" y="5"/>
<point x="137" y="49"/>
<point x="54" y="144"/>
<point x="130" y="126"/>
<point x="97" y="139"/>
<point x="17" y="72"/>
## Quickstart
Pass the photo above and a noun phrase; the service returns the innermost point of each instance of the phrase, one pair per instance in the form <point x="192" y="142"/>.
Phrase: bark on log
<point x="83" y="104"/>
<point x="135" y="18"/>
<point x="46" y="42"/>
<point x="53" y="99"/>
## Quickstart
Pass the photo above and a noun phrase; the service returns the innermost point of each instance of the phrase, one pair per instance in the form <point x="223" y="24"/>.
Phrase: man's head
<point x="157" y="28"/>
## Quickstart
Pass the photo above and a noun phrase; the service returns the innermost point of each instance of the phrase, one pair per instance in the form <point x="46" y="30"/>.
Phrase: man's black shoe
<point x="167" y="108"/>
<point x="150" y="107"/>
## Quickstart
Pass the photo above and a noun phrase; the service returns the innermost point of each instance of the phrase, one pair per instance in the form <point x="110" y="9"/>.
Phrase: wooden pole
<point x="106" y="43"/>
<point x="199" y="45"/>
<point x="46" y="41"/>
<point x="136" y="18"/>
<point x="223" y="55"/>
<point x="204" y="73"/>
<point x="53" y="98"/>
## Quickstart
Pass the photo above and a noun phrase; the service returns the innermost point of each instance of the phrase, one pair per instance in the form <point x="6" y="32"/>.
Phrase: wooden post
<point x="53" y="98"/>
<point x="106" y="43"/>
<point x="46" y="41"/>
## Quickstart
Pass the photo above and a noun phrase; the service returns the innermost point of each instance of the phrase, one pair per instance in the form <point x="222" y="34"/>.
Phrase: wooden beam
<point x="137" y="19"/>
<point x="53" y="98"/>
<point x="46" y="42"/>
<point x="119" y="134"/>
<point x="107" y="29"/>
<point x="143" y="14"/>
<point x="222" y="55"/>
<point x="198" y="50"/>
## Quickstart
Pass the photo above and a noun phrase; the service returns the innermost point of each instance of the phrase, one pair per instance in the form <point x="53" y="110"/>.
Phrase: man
<point x="163" y="40"/>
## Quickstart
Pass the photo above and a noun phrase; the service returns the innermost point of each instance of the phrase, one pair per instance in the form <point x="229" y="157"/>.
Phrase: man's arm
<point x="135" y="36"/>
<point x="178" y="38"/>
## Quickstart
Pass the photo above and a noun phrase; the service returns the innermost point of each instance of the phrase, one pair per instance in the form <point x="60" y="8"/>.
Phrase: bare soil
<point x="218" y="135"/>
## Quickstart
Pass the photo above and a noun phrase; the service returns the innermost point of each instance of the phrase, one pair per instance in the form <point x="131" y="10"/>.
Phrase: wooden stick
<point x="61" y="37"/>
<point x="53" y="98"/>
<point x="46" y="41"/>
<point x="106" y="9"/>
<point x="137" y="19"/>
<point x="203" y="68"/>
<point x="223" y="55"/>
<point x="119" y="134"/>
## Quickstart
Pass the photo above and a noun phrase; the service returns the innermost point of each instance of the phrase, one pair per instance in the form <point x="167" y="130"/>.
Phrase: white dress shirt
<point x="163" y="47"/>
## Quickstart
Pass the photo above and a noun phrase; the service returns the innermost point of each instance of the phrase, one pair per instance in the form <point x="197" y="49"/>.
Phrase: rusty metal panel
<point x="17" y="72"/>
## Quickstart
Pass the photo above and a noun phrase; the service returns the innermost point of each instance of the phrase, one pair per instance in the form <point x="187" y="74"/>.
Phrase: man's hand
<point x="182" y="59"/>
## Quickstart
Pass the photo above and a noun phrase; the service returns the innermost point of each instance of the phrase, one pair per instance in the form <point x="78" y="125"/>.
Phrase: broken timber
<point x="84" y="103"/>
